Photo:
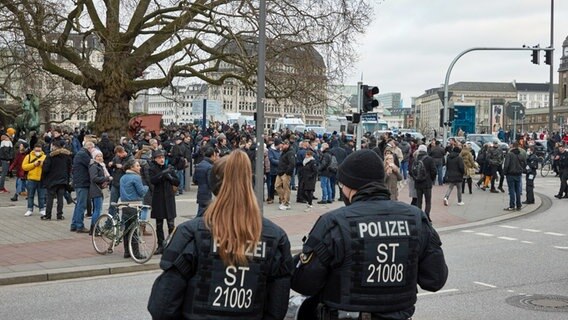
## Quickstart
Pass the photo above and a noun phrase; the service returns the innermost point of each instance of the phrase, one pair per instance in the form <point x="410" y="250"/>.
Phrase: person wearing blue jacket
<point x="201" y="178"/>
<point x="274" y="159"/>
<point x="131" y="190"/>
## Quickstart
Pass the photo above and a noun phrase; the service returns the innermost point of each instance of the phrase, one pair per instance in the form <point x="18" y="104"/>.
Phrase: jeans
<point x="97" y="208"/>
<point x="80" y="207"/>
<point x="181" y="177"/>
<point x="325" y="188"/>
<point x="404" y="169"/>
<point x="34" y="186"/>
<point x="53" y="193"/>
<point x="332" y="182"/>
<point x="5" y="168"/>
<point x="440" y="173"/>
<point x="515" y="189"/>
<point x="20" y="185"/>
<point x="114" y="196"/>
<point x="293" y="179"/>
<point x="144" y="214"/>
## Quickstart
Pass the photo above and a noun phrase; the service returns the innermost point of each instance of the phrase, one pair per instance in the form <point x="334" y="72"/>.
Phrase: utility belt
<point x="326" y="313"/>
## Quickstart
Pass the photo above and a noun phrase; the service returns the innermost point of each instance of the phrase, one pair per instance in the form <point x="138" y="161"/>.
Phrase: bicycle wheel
<point x="545" y="170"/>
<point x="104" y="234"/>
<point x="142" y="245"/>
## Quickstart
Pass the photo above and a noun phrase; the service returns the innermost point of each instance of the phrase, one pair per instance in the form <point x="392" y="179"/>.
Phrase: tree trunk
<point x="112" y="112"/>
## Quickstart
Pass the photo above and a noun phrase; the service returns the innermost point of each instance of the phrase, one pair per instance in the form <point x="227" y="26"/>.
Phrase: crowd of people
<point x="245" y="259"/>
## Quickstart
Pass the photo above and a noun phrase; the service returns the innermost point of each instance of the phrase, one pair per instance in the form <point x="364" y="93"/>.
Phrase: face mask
<point x="37" y="154"/>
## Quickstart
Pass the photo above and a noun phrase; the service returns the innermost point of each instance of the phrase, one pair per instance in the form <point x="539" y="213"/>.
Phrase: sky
<point x="410" y="44"/>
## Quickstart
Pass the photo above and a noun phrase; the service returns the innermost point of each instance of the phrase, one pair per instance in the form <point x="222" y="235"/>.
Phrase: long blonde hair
<point x="234" y="216"/>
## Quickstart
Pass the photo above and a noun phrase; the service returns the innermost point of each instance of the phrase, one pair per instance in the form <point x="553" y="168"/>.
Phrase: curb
<point x="77" y="272"/>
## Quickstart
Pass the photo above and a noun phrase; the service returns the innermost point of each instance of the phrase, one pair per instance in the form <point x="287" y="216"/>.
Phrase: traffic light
<point x="535" y="58"/>
<point x="451" y="116"/>
<point x="548" y="57"/>
<point x="369" y="103"/>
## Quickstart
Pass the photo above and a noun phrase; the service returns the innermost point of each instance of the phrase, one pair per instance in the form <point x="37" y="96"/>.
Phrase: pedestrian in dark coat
<point x="424" y="187"/>
<point x="455" y="170"/>
<point x="309" y="176"/>
<point x="201" y="178"/>
<point x="163" y="197"/>
<point x="56" y="174"/>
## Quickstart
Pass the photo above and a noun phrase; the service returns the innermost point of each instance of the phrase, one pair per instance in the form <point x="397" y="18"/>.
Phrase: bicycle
<point x="546" y="166"/>
<point x="108" y="233"/>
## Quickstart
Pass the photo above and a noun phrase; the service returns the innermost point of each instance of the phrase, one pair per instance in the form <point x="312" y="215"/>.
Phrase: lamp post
<point x="551" y="83"/>
<point x="259" y="163"/>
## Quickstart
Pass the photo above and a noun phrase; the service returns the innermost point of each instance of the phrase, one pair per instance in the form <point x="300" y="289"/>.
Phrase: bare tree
<point x="172" y="38"/>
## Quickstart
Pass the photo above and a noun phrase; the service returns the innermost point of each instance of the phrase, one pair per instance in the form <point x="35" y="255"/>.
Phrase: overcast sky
<point x="411" y="43"/>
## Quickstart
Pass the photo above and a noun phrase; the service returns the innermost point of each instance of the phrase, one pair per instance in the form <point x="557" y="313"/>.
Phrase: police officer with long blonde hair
<point x="229" y="264"/>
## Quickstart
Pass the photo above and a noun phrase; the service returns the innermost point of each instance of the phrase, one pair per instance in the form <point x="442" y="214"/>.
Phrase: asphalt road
<point x="522" y="258"/>
<point x="488" y="265"/>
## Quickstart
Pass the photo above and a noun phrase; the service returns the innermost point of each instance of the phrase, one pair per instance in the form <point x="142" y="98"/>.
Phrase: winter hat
<point x="360" y="168"/>
<point x="96" y="152"/>
<point x="158" y="153"/>
<point x="422" y="148"/>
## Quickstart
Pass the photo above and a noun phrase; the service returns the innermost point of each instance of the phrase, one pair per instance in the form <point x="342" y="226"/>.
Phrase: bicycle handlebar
<point x="137" y="205"/>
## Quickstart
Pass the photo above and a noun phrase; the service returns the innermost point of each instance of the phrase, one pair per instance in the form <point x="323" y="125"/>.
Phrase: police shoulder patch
<point x="305" y="257"/>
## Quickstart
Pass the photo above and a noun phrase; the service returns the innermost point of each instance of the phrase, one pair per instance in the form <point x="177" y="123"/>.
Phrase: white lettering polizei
<point x="384" y="229"/>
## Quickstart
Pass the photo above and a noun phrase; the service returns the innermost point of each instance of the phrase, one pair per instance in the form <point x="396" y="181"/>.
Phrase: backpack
<point x="333" y="166"/>
<point x="418" y="170"/>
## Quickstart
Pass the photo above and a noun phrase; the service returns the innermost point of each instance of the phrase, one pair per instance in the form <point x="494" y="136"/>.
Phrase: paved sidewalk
<point x="33" y="250"/>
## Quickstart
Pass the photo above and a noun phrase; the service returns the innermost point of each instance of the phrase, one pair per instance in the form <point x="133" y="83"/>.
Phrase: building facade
<point x="303" y="64"/>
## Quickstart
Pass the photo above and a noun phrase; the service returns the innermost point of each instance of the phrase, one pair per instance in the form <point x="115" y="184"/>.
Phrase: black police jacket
<point x="195" y="283"/>
<point x="370" y="255"/>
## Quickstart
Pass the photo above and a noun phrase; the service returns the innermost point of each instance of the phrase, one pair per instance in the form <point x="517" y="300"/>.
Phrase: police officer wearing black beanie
<point x="370" y="255"/>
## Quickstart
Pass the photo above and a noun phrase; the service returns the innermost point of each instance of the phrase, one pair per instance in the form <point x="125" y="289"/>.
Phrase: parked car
<point x="483" y="138"/>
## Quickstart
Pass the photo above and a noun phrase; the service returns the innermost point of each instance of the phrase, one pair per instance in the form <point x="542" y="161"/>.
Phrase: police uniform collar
<point x="372" y="191"/>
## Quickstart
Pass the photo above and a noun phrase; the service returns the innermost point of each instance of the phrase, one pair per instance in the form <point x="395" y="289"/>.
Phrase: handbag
<point x="471" y="172"/>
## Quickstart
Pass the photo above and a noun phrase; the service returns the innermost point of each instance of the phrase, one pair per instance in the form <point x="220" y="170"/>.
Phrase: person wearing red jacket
<point x="20" y="173"/>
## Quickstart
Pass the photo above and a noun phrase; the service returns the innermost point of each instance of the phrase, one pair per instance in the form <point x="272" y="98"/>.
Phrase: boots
<point x="143" y="230"/>
<point x="15" y="197"/>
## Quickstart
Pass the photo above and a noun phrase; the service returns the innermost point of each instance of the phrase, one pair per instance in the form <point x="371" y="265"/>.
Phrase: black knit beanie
<point x="360" y="168"/>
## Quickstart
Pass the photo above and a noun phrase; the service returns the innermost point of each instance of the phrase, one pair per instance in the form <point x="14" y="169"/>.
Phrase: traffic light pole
<point x="448" y="73"/>
<point x="551" y="86"/>
<point x="259" y="163"/>
<point x="360" y="110"/>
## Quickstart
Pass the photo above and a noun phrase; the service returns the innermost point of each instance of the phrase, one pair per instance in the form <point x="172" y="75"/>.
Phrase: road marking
<point x="507" y="238"/>
<point x="511" y="291"/>
<point x="468" y="231"/>
<point x="509" y="227"/>
<point x="531" y="230"/>
<point x="555" y="234"/>
<point x="438" y="292"/>
<point x="529" y="242"/>
<point x="485" y="284"/>
<point x="561" y="248"/>
<point x="484" y="234"/>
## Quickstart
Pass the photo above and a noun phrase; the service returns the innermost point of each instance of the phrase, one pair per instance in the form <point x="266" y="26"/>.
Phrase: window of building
<point x="82" y="116"/>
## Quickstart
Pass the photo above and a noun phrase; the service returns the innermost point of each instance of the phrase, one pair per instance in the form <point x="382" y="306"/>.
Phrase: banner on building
<point x="497" y="114"/>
